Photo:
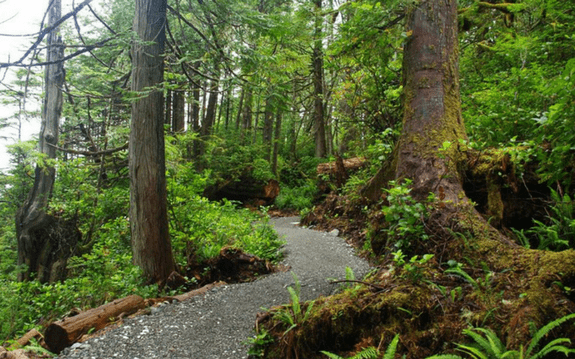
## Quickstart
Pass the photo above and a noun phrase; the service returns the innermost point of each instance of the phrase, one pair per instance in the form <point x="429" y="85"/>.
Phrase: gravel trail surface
<point x="215" y="325"/>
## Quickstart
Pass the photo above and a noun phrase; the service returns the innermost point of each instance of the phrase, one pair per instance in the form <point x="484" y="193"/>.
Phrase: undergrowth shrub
<point x="102" y="270"/>
<point x="559" y="231"/>
<point x="298" y="198"/>
<point x="103" y="274"/>
<point x="203" y="228"/>
<point x="403" y="220"/>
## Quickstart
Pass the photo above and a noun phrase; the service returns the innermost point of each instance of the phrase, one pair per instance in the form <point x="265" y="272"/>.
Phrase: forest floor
<point x="218" y="324"/>
<point x="433" y="295"/>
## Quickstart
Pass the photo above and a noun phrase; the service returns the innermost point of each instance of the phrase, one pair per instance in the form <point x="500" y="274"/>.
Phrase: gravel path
<point x="214" y="326"/>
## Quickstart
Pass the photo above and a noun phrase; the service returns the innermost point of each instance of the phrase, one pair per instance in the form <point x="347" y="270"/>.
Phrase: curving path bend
<point x="215" y="325"/>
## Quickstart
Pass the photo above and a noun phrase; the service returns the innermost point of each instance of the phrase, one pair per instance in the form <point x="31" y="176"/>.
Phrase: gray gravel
<point x="215" y="325"/>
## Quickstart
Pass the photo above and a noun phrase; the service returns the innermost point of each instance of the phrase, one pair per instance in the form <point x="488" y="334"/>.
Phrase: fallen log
<point x="15" y="354"/>
<point x="244" y="189"/>
<point x="62" y="334"/>
<point x="350" y="164"/>
<point x="337" y="172"/>
<point x="26" y="338"/>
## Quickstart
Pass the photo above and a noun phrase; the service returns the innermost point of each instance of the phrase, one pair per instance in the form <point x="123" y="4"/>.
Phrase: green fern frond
<point x="488" y="346"/>
<point x="392" y="348"/>
<point x="367" y="353"/>
<point x="474" y="352"/>
<point x="554" y="346"/>
<point x="331" y="355"/>
<point x="542" y="332"/>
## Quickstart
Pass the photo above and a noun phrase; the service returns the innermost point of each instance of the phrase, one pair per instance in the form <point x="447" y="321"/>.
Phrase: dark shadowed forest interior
<point x="437" y="136"/>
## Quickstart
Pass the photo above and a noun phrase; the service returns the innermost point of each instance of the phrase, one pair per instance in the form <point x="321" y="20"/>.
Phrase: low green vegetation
<point x="199" y="230"/>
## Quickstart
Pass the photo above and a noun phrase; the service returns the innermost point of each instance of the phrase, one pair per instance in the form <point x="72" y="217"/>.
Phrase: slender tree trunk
<point x="317" y="63"/>
<point x="240" y="107"/>
<point x="228" y="108"/>
<point x="44" y="242"/>
<point x="277" y="137"/>
<point x="209" y="119"/>
<point x="178" y="113"/>
<point x="168" y="112"/>
<point x="268" y="126"/>
<point x="148" y="204"/>
<point x="195" y="114"/>
<point x="247" y="113"/>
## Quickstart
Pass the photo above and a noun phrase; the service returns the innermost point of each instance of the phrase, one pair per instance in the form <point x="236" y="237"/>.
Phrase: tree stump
<point x="66" y="332"/>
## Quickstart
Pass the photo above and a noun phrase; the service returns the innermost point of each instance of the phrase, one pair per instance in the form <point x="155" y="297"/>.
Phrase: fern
<point x="331" y="355"/>
<point x="392" y="348"/>
<point x="349" y="274"/>
<point x="489" y="346"/>
<point x="371" y="352"/>
<point x="553" y="345"/>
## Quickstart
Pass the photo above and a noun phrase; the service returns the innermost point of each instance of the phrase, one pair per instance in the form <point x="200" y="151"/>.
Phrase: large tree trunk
<point x="43" y="243"/>
<point x="148" y="204"/>
<point x="428" y="150"/>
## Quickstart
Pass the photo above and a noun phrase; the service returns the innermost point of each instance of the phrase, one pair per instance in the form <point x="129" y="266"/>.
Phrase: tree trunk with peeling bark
<point x="151" y="245"/>
<point x="44" y="242"/>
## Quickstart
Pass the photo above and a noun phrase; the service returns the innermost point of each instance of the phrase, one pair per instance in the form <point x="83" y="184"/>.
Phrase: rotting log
<point x="26" y="338"/>
<point x="350" y="164"/>
<point x="337" y="171"/>
<point x="245" y="189"/>
<point x="66" y="332"/>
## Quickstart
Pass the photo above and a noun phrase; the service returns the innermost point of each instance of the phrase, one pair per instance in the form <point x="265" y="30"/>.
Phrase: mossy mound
<point x="520" y="290"/>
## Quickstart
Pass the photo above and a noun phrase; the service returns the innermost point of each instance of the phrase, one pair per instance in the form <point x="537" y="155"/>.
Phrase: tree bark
<point x="428" y="150"/>
<point x="43" y="245"/>
<point x="148" y="204"/>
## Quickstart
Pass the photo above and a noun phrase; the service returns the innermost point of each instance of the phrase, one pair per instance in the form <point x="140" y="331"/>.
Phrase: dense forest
<point x="438" y="136"/>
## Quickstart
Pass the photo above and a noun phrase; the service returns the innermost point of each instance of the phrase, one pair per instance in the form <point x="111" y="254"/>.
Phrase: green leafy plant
<point x="298" y="198"/>
<point x="291" y="315"/>
<point x="404" y="215"/>
<point x="486" y="344"/>
<point x="559" y="233"/>
<point x="457" y="269"/>
<point x="414" y="267"/>
<point x="258" y="343"/>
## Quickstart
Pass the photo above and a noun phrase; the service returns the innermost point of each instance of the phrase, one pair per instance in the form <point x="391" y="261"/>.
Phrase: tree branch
<point x="88" y="153"/>
<point x="43" y="34"/>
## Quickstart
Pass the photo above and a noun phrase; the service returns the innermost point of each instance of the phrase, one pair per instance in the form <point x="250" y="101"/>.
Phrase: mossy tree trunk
<point x="432" y="118"/>
<point x="44" y="242"/>
<point x="428" y="149"/>
<point x="148" y="202"/>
